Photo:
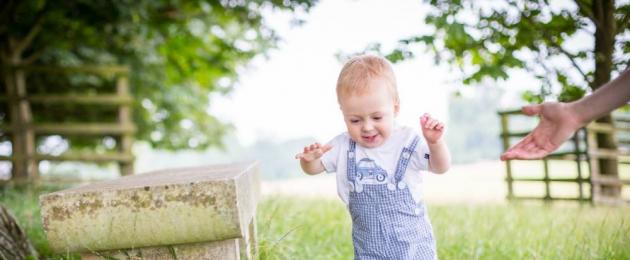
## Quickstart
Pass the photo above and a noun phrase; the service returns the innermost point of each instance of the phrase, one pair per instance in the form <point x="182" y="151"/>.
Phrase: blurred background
<point x="96" y="90"/>
<point x="276" y="100"/>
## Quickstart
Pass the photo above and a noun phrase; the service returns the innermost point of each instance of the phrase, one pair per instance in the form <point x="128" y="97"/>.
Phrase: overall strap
<point x="404" y="158"/>
<point x="351" y="163"/>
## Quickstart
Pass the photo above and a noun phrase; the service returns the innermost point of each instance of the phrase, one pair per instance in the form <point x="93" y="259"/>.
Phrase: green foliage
<point x="532" y="97"/>
<point x="569" y="92"/>
<point x="179" y="53"/>
<point x="486" y="40"/>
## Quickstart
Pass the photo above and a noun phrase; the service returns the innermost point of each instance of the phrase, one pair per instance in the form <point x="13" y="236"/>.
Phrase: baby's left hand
<point x="432" y="129"/>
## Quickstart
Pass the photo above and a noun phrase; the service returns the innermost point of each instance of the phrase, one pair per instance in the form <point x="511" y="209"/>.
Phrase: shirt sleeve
<point x="420" y="158"/>
<point x="329" y="159"/>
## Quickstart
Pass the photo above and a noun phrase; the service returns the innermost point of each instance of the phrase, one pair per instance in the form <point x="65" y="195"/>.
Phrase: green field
<point x="291" y="228"/>
<point x="320" y="229"/>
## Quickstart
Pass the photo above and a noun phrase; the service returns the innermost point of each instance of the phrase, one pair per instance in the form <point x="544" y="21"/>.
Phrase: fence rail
<point x="25" y="157"/>
<point x="100" y="99"/>
<point x="584" y="149"/>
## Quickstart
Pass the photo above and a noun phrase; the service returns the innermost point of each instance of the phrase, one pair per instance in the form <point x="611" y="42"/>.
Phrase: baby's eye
<point x="354" y="121"/>
<point x="377" y="118"/>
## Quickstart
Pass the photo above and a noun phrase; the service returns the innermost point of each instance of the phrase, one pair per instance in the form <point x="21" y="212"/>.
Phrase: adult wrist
<point x="581" y="115"/>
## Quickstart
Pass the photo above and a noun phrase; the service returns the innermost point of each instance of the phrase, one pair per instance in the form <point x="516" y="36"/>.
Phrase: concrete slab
<point x="225" y="250"/>
<point x="168" y="207"/>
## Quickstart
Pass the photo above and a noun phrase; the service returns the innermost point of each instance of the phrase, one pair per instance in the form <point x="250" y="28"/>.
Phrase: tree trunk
<point x="14" y="243"/>
<point x="605" y="32"/>
<point x="20" y="117"/>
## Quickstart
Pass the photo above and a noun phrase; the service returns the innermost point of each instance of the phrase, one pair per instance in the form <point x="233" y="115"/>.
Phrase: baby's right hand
<point x="313" y="152"/>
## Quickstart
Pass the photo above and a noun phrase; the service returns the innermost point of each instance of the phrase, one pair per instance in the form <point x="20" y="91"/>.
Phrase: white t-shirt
<point x="384" y="156"/>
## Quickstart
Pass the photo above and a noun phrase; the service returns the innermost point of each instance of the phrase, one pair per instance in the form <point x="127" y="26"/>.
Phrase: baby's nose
<point x="367" y="127"/>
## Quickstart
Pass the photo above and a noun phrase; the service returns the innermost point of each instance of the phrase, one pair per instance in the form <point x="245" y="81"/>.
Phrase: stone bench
<point x="187" y="212"/>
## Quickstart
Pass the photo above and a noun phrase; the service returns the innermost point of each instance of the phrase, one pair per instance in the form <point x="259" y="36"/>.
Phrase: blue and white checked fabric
<point x="387" y="223"/>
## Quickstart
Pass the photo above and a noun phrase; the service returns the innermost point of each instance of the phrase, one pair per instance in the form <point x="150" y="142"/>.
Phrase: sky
<point x="291" y="94"/>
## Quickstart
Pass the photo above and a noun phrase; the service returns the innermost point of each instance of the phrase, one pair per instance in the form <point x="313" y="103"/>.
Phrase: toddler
<point x="379" y="164"/>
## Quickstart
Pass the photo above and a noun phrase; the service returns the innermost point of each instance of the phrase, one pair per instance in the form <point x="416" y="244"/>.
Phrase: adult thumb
<point x="532" y="110"/>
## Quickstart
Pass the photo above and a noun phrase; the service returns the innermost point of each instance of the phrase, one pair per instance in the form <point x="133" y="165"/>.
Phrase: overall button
<point x="416" y="211"/>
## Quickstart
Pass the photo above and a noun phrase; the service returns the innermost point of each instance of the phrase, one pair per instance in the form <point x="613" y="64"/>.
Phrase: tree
<point x="14" y="243"/>
<point x="178" y="51"/>
<point x="488" y="39"/>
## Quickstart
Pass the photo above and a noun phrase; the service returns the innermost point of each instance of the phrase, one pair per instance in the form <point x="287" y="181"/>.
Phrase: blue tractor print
<point x="367" y="169"/>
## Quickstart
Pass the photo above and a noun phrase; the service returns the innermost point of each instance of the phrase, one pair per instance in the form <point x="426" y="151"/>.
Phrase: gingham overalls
<point x="386" y="222"/>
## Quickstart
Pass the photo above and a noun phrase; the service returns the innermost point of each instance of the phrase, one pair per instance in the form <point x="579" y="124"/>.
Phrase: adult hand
<point x="432" y="129"/>
<point x="558" y="122"/>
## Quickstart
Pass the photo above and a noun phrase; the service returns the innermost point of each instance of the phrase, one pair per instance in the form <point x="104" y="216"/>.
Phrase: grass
<point x="23" y="203"/>
<point x="292" y="228"/>
<point x="320" y="229"/>
<point x="558" y="169"/>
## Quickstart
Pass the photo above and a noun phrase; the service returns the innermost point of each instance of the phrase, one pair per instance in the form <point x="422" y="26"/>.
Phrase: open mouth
<point x="369" y="138"/>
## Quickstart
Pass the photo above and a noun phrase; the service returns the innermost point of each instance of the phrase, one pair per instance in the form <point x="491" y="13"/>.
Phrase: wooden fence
<point x="23" y="131"/>
<point x="583" y="150"/>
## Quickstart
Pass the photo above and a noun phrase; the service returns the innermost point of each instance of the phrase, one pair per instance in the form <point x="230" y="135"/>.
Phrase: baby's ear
<point x="396" y="108"/>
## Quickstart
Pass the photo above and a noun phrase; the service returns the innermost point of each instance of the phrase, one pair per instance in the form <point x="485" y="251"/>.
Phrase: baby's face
<point x="370" y="116"/>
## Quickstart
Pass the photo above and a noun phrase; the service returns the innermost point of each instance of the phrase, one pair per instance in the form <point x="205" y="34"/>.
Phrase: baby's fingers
<point x="430" y="123"/>
<point x="321" y="150"/>
<point x="424" y="118"/>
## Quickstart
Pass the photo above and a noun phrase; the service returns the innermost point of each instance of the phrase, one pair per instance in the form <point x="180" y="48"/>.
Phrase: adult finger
<point x="512" y="152"/>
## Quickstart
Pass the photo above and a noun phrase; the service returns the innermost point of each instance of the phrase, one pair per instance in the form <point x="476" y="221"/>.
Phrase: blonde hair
<point x="357" y="74"/>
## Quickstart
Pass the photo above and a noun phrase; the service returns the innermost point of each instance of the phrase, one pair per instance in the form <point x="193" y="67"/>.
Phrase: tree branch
<point x="33" y="57"/>
<point x="26" y="41"/>
<point x="585" y="10"/>
<point x="555" y="45"/>
<point x="571" y="58"/>
<point x="623" y="24"/>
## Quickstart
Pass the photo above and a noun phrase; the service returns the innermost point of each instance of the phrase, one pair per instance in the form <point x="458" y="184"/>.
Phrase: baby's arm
<point x="310" y="158"/>
<point x="440" y="159"/>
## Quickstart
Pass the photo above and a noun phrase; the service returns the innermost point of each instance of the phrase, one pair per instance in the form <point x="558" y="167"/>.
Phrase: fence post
<point x="506" y="145"/>
<point x="578" y="161"/>
<point x="124" y="118"/>
<point x="593" y="164"/>
<point x="546" y="179"/>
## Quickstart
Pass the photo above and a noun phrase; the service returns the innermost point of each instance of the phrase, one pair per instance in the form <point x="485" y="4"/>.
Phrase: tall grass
<point x="295" y="228"/>
<point x="23" y="203"/>
<point x="292" y="228"/>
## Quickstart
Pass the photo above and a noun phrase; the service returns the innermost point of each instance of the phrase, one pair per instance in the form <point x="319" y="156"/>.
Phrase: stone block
<point x="168" y="207"/>
<point x="224" y="250"/>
